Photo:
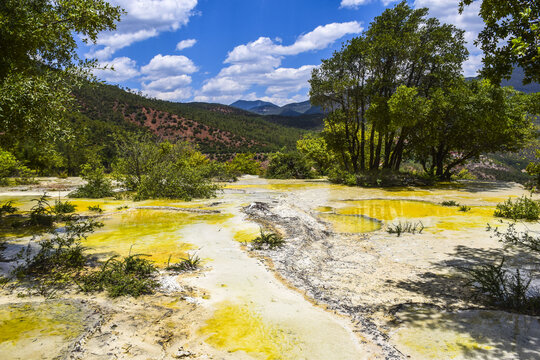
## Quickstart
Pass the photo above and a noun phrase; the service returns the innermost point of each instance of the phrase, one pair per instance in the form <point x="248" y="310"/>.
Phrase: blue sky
<point x="225" y="50"/>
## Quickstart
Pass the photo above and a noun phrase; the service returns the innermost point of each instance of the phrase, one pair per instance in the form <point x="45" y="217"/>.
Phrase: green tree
<point x="315" y="149"/>
<point x="511" y="36"/>
<point x="39" y="65"/>
<point x="533" y="169"/>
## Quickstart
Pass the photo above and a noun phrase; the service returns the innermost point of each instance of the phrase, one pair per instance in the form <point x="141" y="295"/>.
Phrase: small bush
<point x="450" y="203"/>
<point x="95" y="208"/>
<point x="7" y="208"/>
<point x="65" y="207"/>
<point x="267" y="241"/>
<point x="291" y="165"/>
<point x="524" y="208"/>
<point x="133" y="275"/>
<point x="191" y="263"/>
<point x="41" y="213"/>
<point x="59" y="259"/>
<point x="505" y="289"/>
<point x="97" y="184"/>
<point x="464" y="208"/>
<point x="407" y="227"/>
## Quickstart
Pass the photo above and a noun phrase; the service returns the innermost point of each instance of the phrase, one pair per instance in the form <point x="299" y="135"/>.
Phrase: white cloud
<point x="175" y="95"/>
<point x="258" y="64"/>
<point x="144" y="19"/>
<point x="168" y="83"/>
<point x="354" y="4"/>
<point x="162" y="66"/>
<point x="124" y="69"/>
<point x="447" y="12"/>
<point x="184" y="44"/>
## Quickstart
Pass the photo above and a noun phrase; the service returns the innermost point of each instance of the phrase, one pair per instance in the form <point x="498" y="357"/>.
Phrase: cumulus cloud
<point x="184" y="44"/>
<point x="174" y="95"/>
<point x="162" y="66"/>
<point x="144" y="19"/>
<point x="118" y="69"/>
<point x="354" y="4"/>
<point x="258" y="64"/>
<point x="168" y="84"/>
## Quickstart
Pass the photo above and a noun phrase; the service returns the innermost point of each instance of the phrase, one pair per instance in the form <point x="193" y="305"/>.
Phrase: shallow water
<point x="40" y="331"/>
<point x="253" y="313"/>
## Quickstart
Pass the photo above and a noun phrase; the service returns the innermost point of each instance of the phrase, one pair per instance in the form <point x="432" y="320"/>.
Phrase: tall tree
<point x="511" y="36"/>
<point x="39" y="63"/>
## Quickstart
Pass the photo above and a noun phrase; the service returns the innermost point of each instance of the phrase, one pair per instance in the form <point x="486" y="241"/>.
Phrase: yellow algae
<point x="31" y="331"/>
<point x="246" y="235"/>
<point x="145" y="231"/>
<point x="394" y="209"/>
<point x="278" y="186"/>
<point x="324" y="209"/>
<point x="351" y="223"/>
<point x="237" y="328"/>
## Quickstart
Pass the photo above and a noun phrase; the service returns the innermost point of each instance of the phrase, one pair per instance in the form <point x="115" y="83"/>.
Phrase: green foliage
<point x="133" y="275"/>
<point x="95" y="208"/>
<point x="59" y="259"/>
<point x="315" y="150"/>
<point x="165" y="170"/>
<point x="243" y="164"/>
<point x="509" y="38"/>
<point x="39" y="63"/>
<point x="288" y="165"/>
<point x="267" y="240"/>
<point x="11" y="167"/>
<point x="464" y="208"/>
<point x="41" y="213"/>
<point x="522" y="208"/>
<point x="63" y="207"/>
<point x="450" y="203"/>
<point x="7" y="208"/>
<point x="190" y="263"/>
<point x="97" y="184"/>
<point x="533" y="168"/>
<point x="406" y="227"/>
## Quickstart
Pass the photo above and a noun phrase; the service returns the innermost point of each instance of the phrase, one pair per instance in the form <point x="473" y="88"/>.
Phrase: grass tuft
<point x="406" y="227"/>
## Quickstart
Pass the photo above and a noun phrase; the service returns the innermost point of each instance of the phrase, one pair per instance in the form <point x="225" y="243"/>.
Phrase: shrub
<point x="450" y="203"/>
<point x="522" y="208"/>
<point x="464" y="208"/>
<point x="190" y="263"/>
<point x="133" y="275"/>
<point x="290" y="165"/>
<point x="97" y="184"/>
<point x="65" y="207"/>
<point x="267" y="240"/>
<point x="406" y="227"/>
<point x="7" y="208"/>
<point x="41" y="213"/>
<point x="59" y="259"/>
<point x="95" y="208"/>
<point x="244" y="164"/>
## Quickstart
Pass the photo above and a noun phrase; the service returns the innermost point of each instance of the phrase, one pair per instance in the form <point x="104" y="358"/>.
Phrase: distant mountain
<point x="266" y="108"/>
<point x="248" y="105"/>
<point x="516" y="81"/>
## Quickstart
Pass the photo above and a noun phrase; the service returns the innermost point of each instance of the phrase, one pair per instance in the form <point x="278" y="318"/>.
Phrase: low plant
<point x="190" y="263"/>
<point x="95" y="208"/>
<point x="97" y="184"/>
<point x="406" y="227"/>
<point x="267" y="240"/>
<point x="450" y="203"/>
<point x="464" y="208"/>
<point x="7" y="208"/>
<point x="524" y="208"/>
<point x="133" y="275"/>
<point x="41" y="213"/>
<point x="58" y="261"/>
<point x="63" y="207"/>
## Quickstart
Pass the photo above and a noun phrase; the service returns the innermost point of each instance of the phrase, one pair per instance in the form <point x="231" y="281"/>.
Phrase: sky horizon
<point x="223" y="51"/>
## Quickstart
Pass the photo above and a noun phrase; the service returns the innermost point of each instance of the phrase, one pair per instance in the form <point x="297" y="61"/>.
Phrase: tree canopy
<point x="511" y="36"/>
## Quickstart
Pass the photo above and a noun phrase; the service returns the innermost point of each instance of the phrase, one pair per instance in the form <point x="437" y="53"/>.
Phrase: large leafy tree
<point x="511" y="36"/>
<point x="39" y="64"/>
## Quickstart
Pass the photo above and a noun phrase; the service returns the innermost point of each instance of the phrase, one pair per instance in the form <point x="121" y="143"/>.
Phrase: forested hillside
<point x="215" y="128"/>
